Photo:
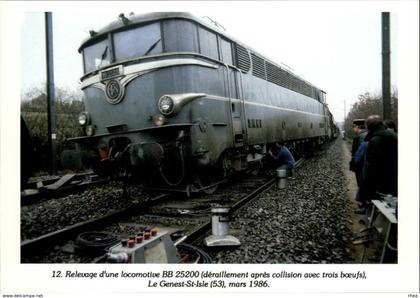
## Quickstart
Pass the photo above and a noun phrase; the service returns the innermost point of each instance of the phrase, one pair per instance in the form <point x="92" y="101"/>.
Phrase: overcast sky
<point x="337" y="47"/>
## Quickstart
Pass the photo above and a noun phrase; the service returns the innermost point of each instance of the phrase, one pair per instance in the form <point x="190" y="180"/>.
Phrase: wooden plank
<point x="60" y="183"/>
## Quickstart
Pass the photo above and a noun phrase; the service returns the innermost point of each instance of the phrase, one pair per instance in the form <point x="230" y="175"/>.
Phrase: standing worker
<point x="359" y="162"/>
<point x="359" y="129"/>
<point x="357" y="166"/>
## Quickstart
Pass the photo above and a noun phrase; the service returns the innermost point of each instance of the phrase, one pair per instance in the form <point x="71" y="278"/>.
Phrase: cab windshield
<point x="128" y="44"/>
<point x="97" y="55"/>
<point x="138" y="42"/>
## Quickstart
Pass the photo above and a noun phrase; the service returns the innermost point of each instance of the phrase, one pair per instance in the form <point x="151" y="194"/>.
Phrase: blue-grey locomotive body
<point x="180" y="103"/>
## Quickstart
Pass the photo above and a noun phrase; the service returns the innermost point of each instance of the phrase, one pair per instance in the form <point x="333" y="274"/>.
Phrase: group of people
<point x="374" y="160"/>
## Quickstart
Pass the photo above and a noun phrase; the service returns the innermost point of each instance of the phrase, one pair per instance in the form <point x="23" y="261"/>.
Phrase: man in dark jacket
<point x="380" y="172"/>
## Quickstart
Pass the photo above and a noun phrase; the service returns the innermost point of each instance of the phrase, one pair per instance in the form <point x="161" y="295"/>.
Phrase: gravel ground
<point x="308" y="222"/>
<point x="54" y="214"/>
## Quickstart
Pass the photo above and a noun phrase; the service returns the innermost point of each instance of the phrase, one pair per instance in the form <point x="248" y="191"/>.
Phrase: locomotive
<point x="176" y="103"/>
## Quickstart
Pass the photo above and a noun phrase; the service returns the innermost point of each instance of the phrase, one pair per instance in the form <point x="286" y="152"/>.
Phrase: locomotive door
<point x="321" y="98"/>
<point x="237" y="108"/>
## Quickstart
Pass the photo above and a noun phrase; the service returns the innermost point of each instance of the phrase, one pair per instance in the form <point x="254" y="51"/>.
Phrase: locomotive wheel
<point x="222" y="172"/>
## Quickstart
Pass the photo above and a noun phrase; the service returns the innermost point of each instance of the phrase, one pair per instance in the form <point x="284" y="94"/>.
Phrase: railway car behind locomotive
<point x="177" y="103"/>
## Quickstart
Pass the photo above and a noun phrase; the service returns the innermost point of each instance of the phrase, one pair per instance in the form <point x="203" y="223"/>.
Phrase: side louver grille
<point x="272" y="73"/>
<point x="281" y="77"/>
<point x="258" y="66"/>
<point x="242" y="58"/>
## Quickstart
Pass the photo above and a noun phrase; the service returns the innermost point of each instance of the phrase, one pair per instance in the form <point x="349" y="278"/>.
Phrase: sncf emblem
<point x="114" y="91"/>
<point x="113" y="83"/>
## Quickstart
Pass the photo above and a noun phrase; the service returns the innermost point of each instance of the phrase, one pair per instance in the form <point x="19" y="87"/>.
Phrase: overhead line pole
<point x="51" y="115"/>
<point x="386" y="66"/>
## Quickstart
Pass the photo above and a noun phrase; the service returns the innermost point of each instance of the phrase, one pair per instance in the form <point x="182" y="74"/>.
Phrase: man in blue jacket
<point x="282" y="157"/>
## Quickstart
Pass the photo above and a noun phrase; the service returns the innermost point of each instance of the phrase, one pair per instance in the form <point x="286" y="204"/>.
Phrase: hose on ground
<point x="95" y="243"/>
<point x="188" y="251"/>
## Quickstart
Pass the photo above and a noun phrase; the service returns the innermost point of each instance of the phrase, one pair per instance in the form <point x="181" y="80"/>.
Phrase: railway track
<point x="44" y="241"/>
<point x="194" y="212"/>
<point x="206" y="227"/>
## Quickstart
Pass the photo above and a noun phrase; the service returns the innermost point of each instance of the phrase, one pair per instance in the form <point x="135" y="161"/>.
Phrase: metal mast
<point x="386" y="66"/>
<point x="50" y="90"/>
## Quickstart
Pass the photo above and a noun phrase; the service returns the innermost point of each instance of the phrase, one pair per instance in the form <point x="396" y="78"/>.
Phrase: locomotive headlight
<point x="84" y="118"/>
<point x="166" y="105"/>
<point x="159" y="120"/>
<point x="172" y="104"/>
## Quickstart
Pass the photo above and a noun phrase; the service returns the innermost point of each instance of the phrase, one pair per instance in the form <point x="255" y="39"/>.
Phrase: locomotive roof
<point x="135" y="20"/>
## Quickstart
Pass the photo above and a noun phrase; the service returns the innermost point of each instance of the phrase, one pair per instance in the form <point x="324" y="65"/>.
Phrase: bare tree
<point x="34" y="109"/>
<point x="370" y="104"/>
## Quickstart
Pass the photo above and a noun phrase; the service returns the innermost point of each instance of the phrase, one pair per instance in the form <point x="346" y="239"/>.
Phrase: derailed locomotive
<point x="177" y="103"/>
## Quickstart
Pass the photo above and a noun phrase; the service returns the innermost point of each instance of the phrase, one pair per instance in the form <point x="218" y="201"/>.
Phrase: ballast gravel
<point x="54" y="214"/>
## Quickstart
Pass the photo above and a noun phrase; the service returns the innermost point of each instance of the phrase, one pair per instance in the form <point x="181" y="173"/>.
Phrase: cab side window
<point x="180" y="36"/>
<point x="208" y="43"/>
<point x="226" y="51"/>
